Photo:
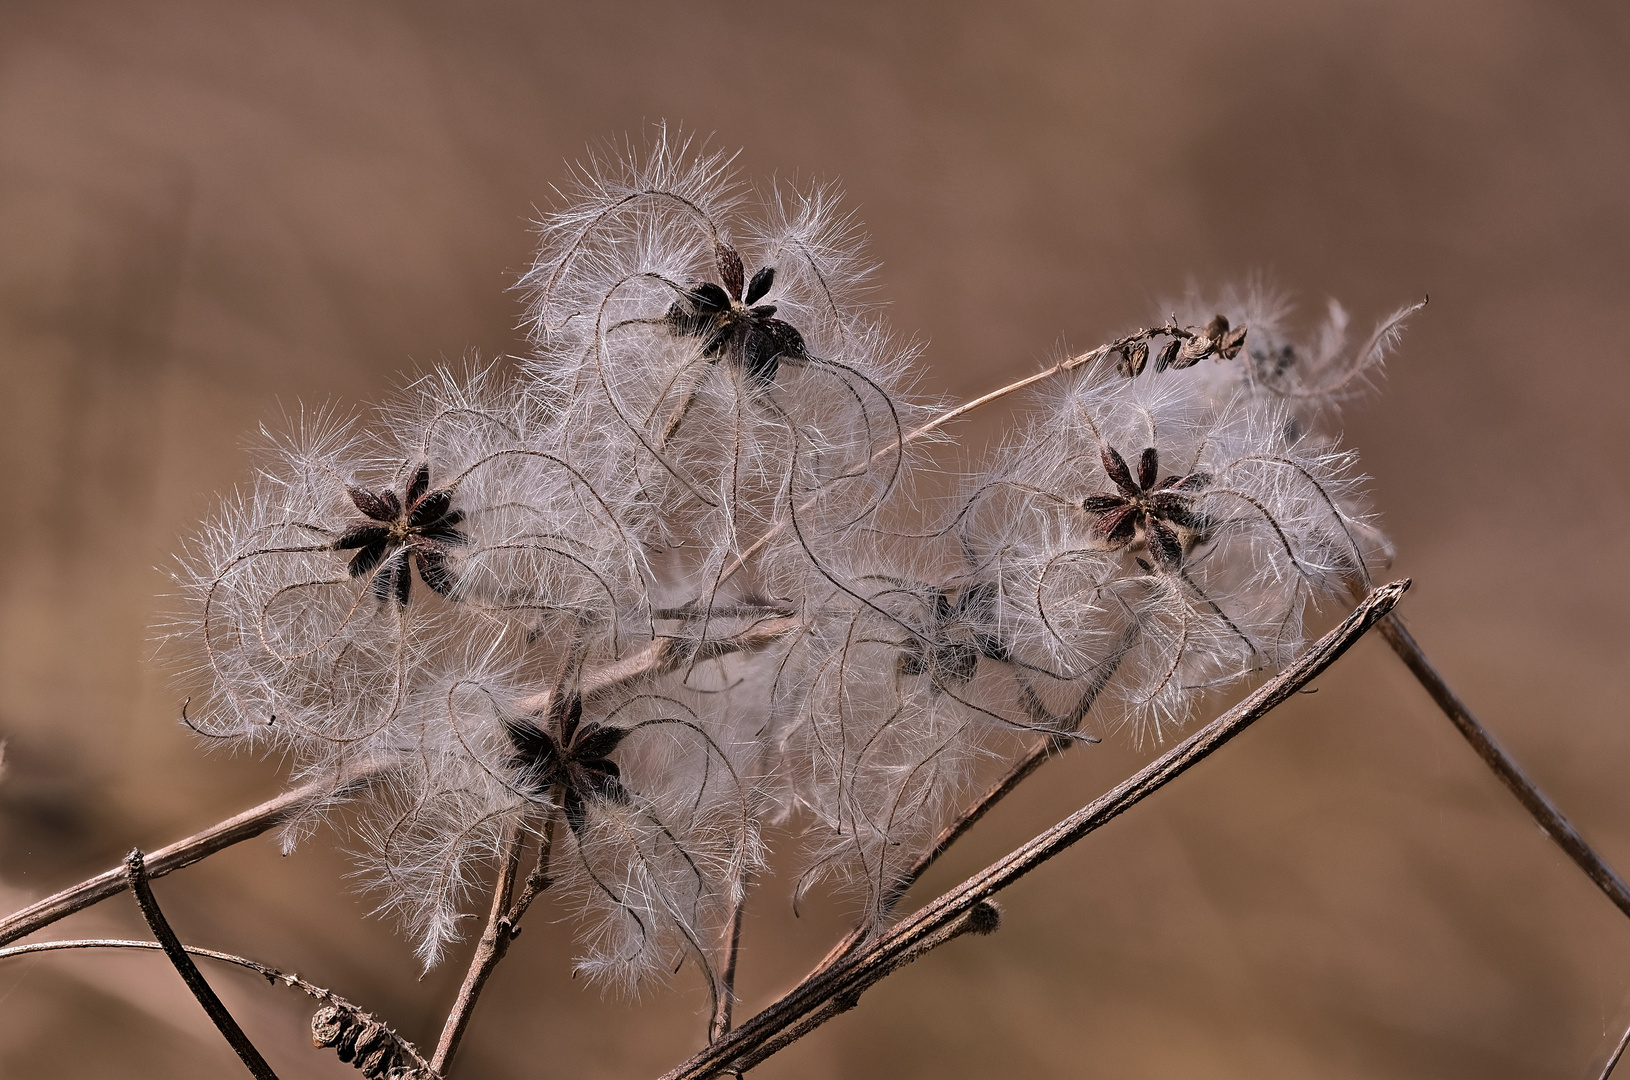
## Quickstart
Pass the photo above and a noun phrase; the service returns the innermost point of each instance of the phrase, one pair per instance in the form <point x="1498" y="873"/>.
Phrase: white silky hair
<point x="731" y="566"/>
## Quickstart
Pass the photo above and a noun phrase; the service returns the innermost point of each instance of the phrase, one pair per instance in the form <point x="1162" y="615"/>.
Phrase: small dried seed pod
<point x="1168" y="354"/>
<point x="363" y="1040"/>
<point x="1193" y="351"/>
<point x="378" y="1062"/>
<point x="1232" y="342"/>
<point x="346" y="1045"/>
<point x="370" y="1036"/>
<point x="1132" y="358"/>
<point x="330" y="1023"/>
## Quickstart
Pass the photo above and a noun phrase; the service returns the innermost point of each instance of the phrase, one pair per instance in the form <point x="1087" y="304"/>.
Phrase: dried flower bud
<point x="1132" y="358"/>
<point x="329" y="1023"/>
<point x="1168" y="354"/>
<point x="361" y="1039"/>
<point x="1193" y="351"/>
<point x="1231" y="344"/>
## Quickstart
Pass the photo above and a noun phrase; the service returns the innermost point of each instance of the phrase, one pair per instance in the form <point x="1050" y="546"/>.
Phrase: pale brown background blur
<point x="212" y="213"/>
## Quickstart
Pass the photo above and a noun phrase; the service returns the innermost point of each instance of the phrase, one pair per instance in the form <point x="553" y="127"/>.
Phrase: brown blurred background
<point x="211" y="214"/>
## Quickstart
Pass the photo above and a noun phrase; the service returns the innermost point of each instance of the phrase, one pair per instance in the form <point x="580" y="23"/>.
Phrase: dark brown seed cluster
<point x="419" y="526"/>
<point x="566" y="751"/>
<point x="962" y="628"/>
<point x="1185" y="348"/>
<point x="1166" y="513"/>
<point x="1132" y="357"/>
<point x="361" y="1039"/>
<point x="731" y="322"/>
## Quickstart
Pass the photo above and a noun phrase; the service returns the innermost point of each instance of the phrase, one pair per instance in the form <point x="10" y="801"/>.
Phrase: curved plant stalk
<point x="267" y="972"/>
<point x="217" y="1012"/>
<point x="1613" y="1059"/>
<point x="720" y="1021"/>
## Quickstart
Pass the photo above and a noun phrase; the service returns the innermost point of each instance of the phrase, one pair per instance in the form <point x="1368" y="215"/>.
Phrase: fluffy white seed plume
<point x="904" y="680"/>
<point x="673" y="584"/>
<point x="713" y="370"/>
<point x="650" y="820"/>
<point x="296" y="649"/>
<point x="1166" y="539"/>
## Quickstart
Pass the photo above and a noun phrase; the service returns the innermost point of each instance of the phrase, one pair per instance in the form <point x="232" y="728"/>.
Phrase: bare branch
<point x="661" y="656"/>
<point x="668" y="654"/>
<point x="1040" y="751"/>
<point x="1533" y="800"/>
<point x="720" y="1021"/>
<point x="489" y="951"/>
<point x="1613" y="1060"/>
<point x="502" y="928"/>
<point x="834" y="989"/>
<point x="269" y="973"/>
<point x="189" y="972"/>
<point x="247" y="825"/>
<point x="983" y="918"/>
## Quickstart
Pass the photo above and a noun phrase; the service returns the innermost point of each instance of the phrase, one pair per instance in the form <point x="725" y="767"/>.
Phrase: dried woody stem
<point x="834" y="990"/>
<point x="503" y="927"/>
<point x="228" y="1027"/>
<point x="720" y="1022"/>
<point x="1533" y="800"/>
<point x="1041" y="751"/>
<point x="251" y="823"/>
<point x="270" y="973"/>
<point x="1613" y="1059"/>
<point x="1038" y="754"/>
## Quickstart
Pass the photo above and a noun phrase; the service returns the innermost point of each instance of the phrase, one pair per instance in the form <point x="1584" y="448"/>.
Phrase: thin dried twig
<point x="1043" y="749"/>
<point x="1533" y="800"/>
<point x="266" y="971"/>
<point x="503" y="927"/>
<point x="720" y="1022"/>
<point x="1039" y="752"/>
<point x="217" y="1012"/>
<point x="247" y="825"/>
<point x="668" y="654"/>
<point x="489" y="951"/>
<point x="1618" y="1052"/>
<point x="983" y="918"/>
<point x="834" y="990"/>
<point x="271" y="974"/>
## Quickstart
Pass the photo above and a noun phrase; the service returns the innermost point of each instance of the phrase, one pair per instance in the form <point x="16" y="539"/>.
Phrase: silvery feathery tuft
<point x="715" y="366"/>
<point x="672" y="590"/>
<point x="1150" y="529"/>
